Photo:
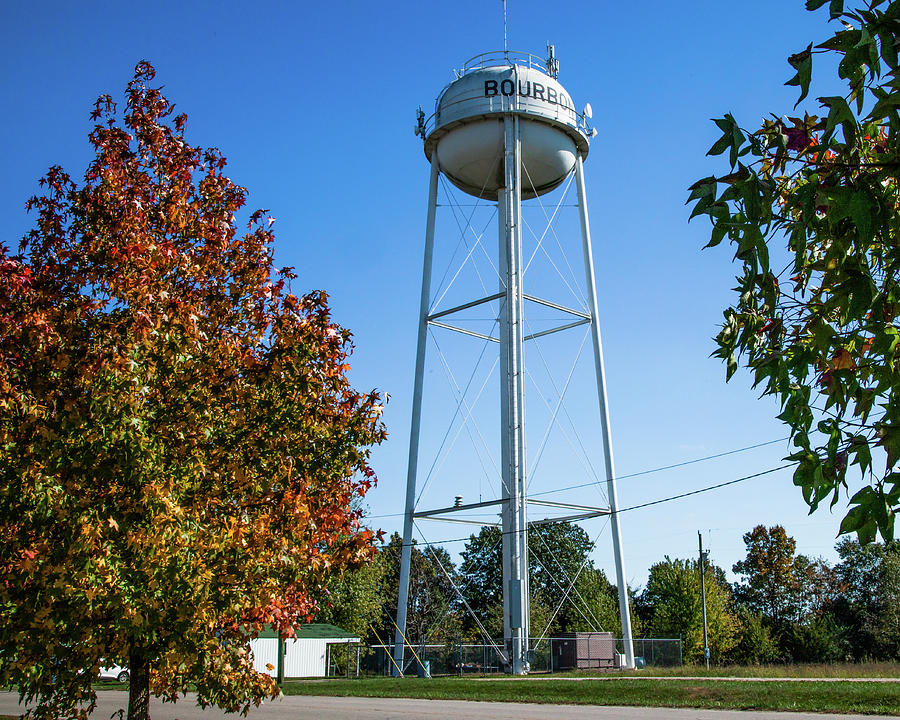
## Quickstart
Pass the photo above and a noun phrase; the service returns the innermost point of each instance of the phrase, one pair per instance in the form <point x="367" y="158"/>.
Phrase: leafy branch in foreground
<point x="822" y="333"/>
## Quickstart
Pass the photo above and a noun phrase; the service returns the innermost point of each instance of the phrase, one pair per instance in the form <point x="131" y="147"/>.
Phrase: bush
<point x="755" y="644"/>
<point x="821" y="640"/>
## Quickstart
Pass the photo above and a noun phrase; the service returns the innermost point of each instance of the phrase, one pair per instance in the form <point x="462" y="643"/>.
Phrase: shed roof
<point x="323" y="631"/>
<point x="313" y="631"/>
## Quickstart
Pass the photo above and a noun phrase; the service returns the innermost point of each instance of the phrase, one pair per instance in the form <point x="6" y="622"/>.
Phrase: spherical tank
<point x="468" y="128"/>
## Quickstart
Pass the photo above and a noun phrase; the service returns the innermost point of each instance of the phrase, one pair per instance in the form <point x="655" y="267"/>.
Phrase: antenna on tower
<point x="552" y="61"/>
<point x="505" y="41"/>
<point x="420" y="123"/>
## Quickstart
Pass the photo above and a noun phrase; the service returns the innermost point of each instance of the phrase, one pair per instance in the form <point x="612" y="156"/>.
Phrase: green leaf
<point x="885" y="107"/>
<point x="853" y="520"/>
<point x="888" y="49"/>
<point x="730" y="367"/>
<point x="883" y="514"/>
<point x="839" y="113"/>
<point x="704" y="192"/>
<point x="762" y="254"/>
<point x="704" y="186"/>
<point x="886" y="341"/>
<point x="868" y="515"/>
<point x="720" y="145"/>
<point x="721" y="219"/>
<point x="802" y="63"/>
<point x="889" y="439"/>
<point x="841" y="41"/>
<point x="848" y="202"/>
<point x="732" y="138"/>
<point x="860" y="292"/>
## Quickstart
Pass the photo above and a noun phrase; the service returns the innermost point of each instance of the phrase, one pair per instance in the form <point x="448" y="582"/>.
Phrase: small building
<point x="584" y="650"/>
<point x="307" y="654"/>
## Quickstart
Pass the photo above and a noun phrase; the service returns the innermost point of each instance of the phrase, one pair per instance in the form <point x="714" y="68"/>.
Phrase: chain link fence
<point x="656" y="652"/>
<point x="474" y="659"/>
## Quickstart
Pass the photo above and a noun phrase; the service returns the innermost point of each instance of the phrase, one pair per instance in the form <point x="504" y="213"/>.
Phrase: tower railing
<point x="430" y="123"/>
<point x="497" y="58"/>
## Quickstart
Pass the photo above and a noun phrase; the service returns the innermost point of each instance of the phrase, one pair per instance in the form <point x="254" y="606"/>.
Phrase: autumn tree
<point x="771" y="584"/>
<point x="817" y="585"/>
<point x="811" y="203"/>
<point x="180" y="449"/>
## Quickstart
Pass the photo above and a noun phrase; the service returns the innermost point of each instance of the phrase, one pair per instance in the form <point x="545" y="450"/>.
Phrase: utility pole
<point x="703" y="597"/>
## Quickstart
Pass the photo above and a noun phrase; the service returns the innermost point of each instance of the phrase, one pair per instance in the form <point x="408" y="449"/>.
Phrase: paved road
<point x="297" y="707"/>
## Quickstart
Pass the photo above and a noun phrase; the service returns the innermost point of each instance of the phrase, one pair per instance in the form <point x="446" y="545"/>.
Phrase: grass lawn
<point x="838" y="670"/>
<point x="856" y="697"/>
<point x="107" y="685"/>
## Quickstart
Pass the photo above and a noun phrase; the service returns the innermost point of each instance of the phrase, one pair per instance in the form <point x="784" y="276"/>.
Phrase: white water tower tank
<point x="506" y="130"/>
<point x="466" y="130"/>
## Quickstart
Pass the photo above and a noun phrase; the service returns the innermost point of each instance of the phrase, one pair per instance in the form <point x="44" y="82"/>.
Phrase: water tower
<point x="505" y="131"/>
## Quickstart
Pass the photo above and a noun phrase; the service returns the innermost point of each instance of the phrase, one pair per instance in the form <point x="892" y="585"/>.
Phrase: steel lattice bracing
<point x="505" y="299"/>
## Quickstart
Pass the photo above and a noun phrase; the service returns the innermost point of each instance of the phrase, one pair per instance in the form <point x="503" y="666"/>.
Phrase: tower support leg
<point x="590" y="280"/>
<point x="412" y="466"/>
<point x="512" y="408"/>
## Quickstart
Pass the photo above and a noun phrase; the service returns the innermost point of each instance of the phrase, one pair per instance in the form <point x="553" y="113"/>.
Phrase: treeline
<point x="785" y="607"/>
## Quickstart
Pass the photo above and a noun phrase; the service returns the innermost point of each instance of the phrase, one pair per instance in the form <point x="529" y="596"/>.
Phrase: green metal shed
<point x="308" y="653"/>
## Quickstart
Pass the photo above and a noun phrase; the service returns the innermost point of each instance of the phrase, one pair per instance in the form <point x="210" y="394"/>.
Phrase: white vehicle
<point x="114" y="672"/>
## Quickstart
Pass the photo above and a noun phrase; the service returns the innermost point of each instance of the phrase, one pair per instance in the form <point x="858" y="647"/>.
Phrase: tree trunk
<point x="139" y="686"/>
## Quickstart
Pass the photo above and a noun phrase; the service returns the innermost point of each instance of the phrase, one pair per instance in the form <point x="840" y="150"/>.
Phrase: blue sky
<point x="313" y="104"/>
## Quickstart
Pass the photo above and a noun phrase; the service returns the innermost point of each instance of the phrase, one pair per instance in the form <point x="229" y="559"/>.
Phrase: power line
<point x="708" y="457"/>
<point x="666" y="467"/>
<point x="637" y="474"/>
<point x="708" y="488"/>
